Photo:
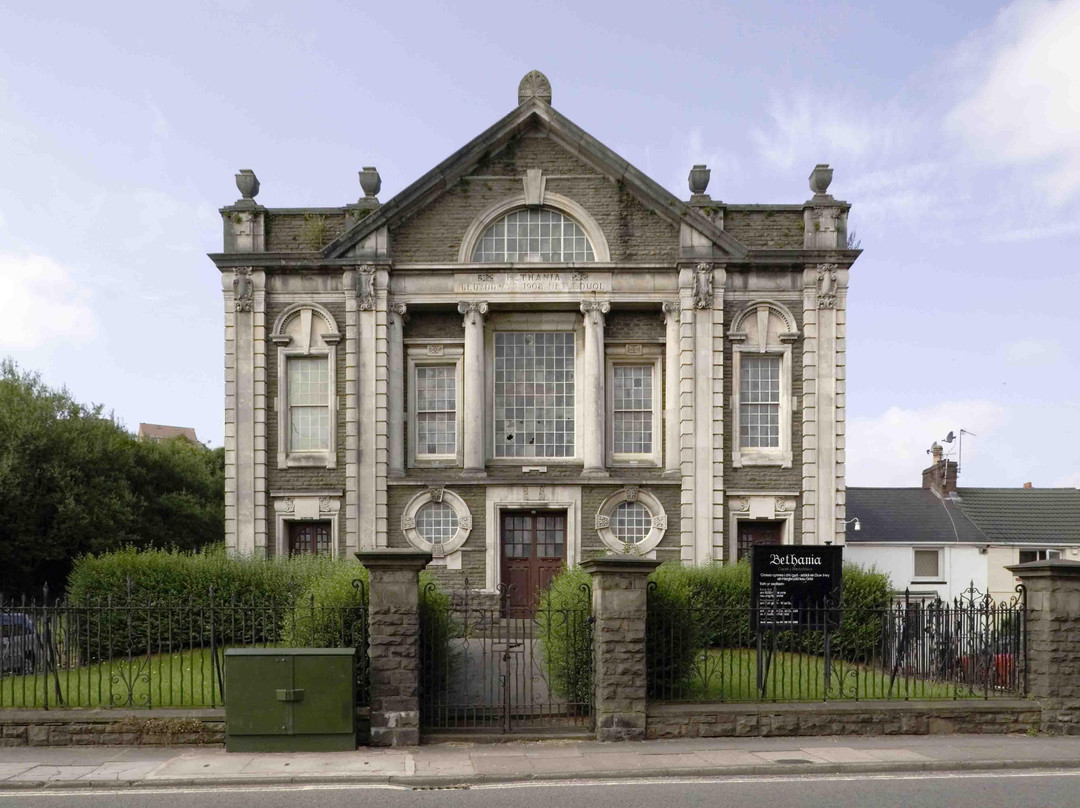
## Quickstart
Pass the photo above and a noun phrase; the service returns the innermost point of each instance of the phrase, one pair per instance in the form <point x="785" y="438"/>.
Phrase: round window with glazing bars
<point x="436" y="522"/>
<point x="631" y="522"/>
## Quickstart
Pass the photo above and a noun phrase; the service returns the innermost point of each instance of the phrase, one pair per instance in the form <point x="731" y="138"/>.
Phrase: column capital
<point x="672" y="311"/>
<point x="399" y="309"/>
<point x="595" y="306"/>
<point x="478" y="308"/>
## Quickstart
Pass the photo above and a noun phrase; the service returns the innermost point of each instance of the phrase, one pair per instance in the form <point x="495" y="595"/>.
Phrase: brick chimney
<point x="941" y="476"/>
<point x="1027" y="485"/>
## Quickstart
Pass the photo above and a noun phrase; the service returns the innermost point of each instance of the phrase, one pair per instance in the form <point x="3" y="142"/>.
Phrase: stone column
<point x="618" y="594"/>
<point x="395" y="353"/>
<point x="1053" y="641"/>
<point x="594" y="402"/>
<point x="394" y="644"/>
<point x="672" y="352"/>
<point x="474" y="311"/>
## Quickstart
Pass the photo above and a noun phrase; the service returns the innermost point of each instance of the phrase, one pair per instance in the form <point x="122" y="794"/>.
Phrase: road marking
<point x="627" y="781"/>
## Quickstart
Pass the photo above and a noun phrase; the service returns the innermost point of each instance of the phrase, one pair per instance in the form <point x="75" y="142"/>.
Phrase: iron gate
<point x="483" y="670"/>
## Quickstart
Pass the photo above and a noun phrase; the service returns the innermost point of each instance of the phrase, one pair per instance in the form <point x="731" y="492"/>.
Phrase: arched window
<point x="534" y="234"/>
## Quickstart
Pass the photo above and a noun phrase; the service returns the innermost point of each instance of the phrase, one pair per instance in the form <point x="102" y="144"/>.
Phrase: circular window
<point x="436" y="522"/>
<point x="631" y="522"/>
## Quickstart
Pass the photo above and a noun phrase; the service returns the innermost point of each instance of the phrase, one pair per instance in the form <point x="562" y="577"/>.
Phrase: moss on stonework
<point x="314" y="232"/>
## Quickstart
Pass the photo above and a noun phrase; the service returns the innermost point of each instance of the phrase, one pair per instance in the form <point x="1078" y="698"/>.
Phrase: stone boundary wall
<point x="204" y="727"/>
<point x="112" y="727"/>
<point x="842" y="718"/>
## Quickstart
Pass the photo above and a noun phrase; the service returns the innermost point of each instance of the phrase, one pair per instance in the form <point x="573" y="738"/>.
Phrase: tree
<point x="73" y="481"/>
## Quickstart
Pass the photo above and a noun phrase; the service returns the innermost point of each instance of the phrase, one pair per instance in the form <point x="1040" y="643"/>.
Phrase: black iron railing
<point x="970" y="648"/>
<point x="140" y="652"/>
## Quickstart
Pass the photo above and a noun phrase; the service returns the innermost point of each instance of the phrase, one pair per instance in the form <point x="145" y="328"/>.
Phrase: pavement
<point x="460" y="763"/>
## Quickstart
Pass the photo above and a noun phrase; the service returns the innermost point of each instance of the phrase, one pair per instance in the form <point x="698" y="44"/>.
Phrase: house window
<point x="306" y="339"/>
<point x="309" y="538"/>
<point x="759" y="402"/>
<point x="436" y="410"/>
<point x="534" y="394"/>
<point x="927" y="564"/>
<point x="309" y="403"/>
<point x="631" y="520"/>
<point x="1038" y="555"/>
<point x="534" y="234"/>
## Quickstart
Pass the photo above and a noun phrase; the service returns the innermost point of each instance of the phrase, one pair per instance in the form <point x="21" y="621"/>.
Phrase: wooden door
<point x="309" y="538"/>
<point x="533" y="552"/>
<point x="753" y="533"/>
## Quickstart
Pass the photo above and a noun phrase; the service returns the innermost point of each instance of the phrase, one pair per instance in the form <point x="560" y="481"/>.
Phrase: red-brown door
<point x="533" y="552"/>
<point x="309" y="538"/>
<point x="752" y="533"/>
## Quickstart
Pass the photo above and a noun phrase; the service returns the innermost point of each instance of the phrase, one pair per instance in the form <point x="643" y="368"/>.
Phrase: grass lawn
<point x="181" y="679"/>
<point x="730" y="674"/>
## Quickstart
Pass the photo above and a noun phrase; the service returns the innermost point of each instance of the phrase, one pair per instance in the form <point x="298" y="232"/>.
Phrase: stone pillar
<point x="474" y="312"/>
<point x="618" y="593"/>
<point x="395" y="353"/>
<point x="595" y="405"/>
<point x="1053" y="641"/>
<point x="394" y="644"/>
<point x="672" y="354"/>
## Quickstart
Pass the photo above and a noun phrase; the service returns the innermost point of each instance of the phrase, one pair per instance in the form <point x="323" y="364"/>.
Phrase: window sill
<point x="772" y="458"/>
<point x="928" y="581"/>
<point x="326" y="460"/>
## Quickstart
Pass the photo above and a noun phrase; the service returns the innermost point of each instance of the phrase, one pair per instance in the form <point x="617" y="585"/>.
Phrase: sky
<point x="953" y="129"/>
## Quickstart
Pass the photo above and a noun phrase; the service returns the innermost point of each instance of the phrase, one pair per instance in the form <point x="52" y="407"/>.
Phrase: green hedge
<point x="132" y="600"/>
<point x="565" y="632"/>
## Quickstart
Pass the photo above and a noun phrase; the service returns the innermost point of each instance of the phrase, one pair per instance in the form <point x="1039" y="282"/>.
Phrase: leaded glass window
<point x="632" y="409"/>
<point x="534" y="394"/>
<point x="631" y="522"/>
<point x="309" y="403"/>
<point x="534" y="234"/>
<point x="436" y="522"/>
<point x="759" y="401"/>
<point x="436" y="409"/>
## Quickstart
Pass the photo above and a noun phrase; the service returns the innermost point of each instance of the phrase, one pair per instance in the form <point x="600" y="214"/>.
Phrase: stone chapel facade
<point x="532" y="355"/>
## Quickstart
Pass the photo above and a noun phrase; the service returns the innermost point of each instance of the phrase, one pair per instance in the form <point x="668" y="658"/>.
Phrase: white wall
<point x="960" y="566"/>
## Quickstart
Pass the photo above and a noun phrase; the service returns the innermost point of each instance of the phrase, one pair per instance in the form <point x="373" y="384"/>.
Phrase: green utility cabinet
<point x="290" y="699"/>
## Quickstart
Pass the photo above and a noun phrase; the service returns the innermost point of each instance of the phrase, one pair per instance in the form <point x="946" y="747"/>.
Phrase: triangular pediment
<point x="533" y="116"/>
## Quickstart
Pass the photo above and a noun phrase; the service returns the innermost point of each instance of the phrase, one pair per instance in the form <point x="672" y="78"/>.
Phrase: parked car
<point x="20" y="644"/>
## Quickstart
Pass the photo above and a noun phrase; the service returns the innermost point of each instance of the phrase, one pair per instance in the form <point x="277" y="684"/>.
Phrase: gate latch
<point x="288" y="694"/>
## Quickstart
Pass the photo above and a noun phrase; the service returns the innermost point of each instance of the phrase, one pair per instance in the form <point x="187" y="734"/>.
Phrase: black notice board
<point x="787" y="580"/>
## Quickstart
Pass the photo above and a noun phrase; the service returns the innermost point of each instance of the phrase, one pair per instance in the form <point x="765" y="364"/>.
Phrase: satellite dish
<point x="949" y="438"/>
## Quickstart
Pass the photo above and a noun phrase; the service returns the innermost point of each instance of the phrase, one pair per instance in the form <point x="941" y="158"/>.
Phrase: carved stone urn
<point x="820" y="178"/>
<point x="699" y="179"/>
<point x="370" y="181"/>
<point x="247" y="183"/>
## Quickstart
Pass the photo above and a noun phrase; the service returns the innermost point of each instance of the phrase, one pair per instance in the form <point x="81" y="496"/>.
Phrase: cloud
<point x="809" y="130"/>
<point x="890" y="449"/>
<point x="1023" y="106"/>
<point x="1072" y="481"/>
<point x="42" y="303"/>
<point x="1028" y="353"/>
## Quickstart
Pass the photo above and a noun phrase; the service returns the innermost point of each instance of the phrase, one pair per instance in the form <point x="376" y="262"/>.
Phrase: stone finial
<point x="820" y="178"/>
<point x="699" y="179"/>
<point x="534" y="85"/>
<point x="370" y="181"/>
<point x="248" y="184"/>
